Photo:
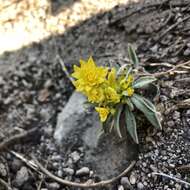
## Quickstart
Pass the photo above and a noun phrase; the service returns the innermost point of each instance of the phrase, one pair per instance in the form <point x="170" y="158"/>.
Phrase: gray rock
<point x="60" y="173"/>
<point x="3" y="170"/>
<point x="186" y="52"/>
<point x="16" y="165"/>
<point x="83" y="171"/>
<point x="68" y="171"/>
<point x="171" y="123"/>
<point x="140" y="186"/>
<point x="77" y="127"/>
<point x="70" y="117"/>
<point x="133" y="178"/>
<point x="125" y="182"/>
<point x="22" y="176"/>
<point x="53" y="186"/>
<point x="75" y="156"/>
<point x="120" y="187"/>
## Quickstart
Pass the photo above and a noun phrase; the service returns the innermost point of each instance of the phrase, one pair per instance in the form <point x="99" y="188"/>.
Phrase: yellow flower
<point x="88" y="75"/>
<point x="103" y="113"/>
<point x="112" y="78"/>
<point x="95" y="95"/>
<point x="130" y="91"/>
<point x="125" y="83"/>
<point x="111" y="95"/>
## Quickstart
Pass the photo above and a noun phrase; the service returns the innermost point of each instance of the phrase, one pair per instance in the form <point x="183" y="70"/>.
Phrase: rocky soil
<point x="34" y="92"/>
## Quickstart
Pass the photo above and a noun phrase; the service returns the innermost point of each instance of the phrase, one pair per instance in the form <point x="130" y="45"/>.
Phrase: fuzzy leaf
<point x="131" y="124"/>
<point x="147" y="108"/>
<point x="143" y="81"/>
<point x="128" y="72"/>
<point x="117" y="120"/>
<point x="132" y="56"/>
<point x="130" y="104"/>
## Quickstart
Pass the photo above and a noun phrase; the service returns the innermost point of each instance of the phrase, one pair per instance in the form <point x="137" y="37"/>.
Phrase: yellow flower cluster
<point x="102" y="86"/>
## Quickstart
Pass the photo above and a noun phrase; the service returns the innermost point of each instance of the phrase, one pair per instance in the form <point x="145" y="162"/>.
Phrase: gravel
<point x="22" y="176"/>
<point x="83" y="171"/>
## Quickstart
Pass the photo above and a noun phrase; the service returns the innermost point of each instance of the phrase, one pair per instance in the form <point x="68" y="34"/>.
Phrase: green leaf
<point x="132" y="56"/>
<point x="131" y="124"/>
<point x="130" y="104"/>
<point x="117" y="120"/>
<point x="128" y="72"/>
<point x="143" y="81"/>
<point x="147" y="108"/>
<point x="105" y="125"/>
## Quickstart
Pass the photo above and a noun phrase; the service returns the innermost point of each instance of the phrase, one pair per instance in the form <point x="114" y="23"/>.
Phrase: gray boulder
<point x="108" y="155"/>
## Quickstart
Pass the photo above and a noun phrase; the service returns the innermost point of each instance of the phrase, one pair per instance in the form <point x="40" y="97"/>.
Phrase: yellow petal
<point x="91" y="62"/>
<point x="103" y="113"/>
<point x="82" y="63"/>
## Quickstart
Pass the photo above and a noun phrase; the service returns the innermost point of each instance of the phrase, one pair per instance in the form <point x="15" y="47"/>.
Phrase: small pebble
<point x="120" y="187"/>
<point x="53" y="186"/>
<point x="22" y="176"/>
<point x="132" y="179"/>
<point x="125" y="182"/>
<point x="68" y="171"/>
<point x="3" y="171"/>
<point x="75" y="156"/>
<point x="170" y="123"/>
<point x="60" y="173"/>
<point x="140" y="186"/>
<point x="83" y="171"/>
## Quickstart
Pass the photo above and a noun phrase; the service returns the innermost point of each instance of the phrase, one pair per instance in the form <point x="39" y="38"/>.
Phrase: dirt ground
<point x="34" y="89"/>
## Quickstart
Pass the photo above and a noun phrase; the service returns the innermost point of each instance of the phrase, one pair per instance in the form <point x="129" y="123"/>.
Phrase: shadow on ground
<point x="92" y="37"/>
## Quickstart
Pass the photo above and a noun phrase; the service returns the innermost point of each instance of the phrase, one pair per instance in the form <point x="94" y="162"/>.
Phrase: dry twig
<point x="29" y="163"/>
<point x="83" y="185"/>
<point x="5" y="184"/>
<point x="173" y="178"/>
<point x="15" y="139"/>
<point x="184" y="168"/>
<point x="64" y="67"/>
<point x="173" y="70"/>
<point x="171" y="28"/>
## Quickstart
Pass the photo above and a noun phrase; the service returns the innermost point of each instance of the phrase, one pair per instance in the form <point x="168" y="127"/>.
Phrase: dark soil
<point x="35" y="90"/>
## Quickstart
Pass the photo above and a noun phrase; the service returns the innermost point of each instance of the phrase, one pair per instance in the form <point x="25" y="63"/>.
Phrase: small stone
<point x="140" y="186"/>
<point x="48" y="83"/>
<point x="53" y="186"/>
<point x="68" y="171"/>
<point x="125" y="182"/>
<point x="56" y="158"/>
<point x="1" y="80"/>
<point x="91" y="173"/>
<point x="178" y="186"/>
<point x="75" y="156"/>
<point x="60" y="173"/>
<point x="120" y="187"/>
<point x="153" y="168"/>
<point x="30" y="111"/>
<point x="132" y="179"/>
<point x="144" y="164"/>
<point x="3" y="171"/>
<point x="186" y="52"/>
<point x="22" y="176"/>
<point x="176" y="115"/>
<point x="83" y="171"/>
<point x="172" y="165"/>
<point x="170" y="123"/>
